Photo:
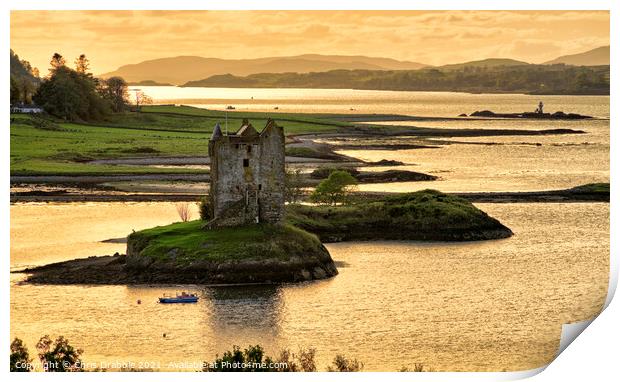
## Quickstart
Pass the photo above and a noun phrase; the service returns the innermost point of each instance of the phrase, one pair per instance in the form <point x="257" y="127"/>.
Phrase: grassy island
<point x="188" y="242"/>
<point x="422" y="215"/>
<point x="188" y="252"/>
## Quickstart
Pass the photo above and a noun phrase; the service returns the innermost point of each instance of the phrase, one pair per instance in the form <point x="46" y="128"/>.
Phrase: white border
<point x="591" y="359"/>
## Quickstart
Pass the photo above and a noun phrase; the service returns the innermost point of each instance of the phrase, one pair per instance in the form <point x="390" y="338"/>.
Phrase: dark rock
<point x="319" y="273"/>
<point x="386" y="162"/>
<point x="393" y="176"/>
<point x="483" y="113"/>
<point x="529" y="115"/>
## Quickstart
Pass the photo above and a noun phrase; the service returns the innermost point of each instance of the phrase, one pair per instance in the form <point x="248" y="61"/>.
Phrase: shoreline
<point x="548" y="196"/>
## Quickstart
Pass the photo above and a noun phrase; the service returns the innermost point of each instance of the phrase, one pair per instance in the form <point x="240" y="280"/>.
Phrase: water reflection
<point x="489" y="305"/>
<point x="440" y="104"/>
<point x="245" y="315"/>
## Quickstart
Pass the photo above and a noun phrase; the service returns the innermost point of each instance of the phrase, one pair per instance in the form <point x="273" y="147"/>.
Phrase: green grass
<point x="56" y="147"/>
<point x="293" y="123"/>
<point x="65" y="151"/>
<point x="422" y="215"/>
<point x="592" y="188"/>
<point x="191" y="242"/>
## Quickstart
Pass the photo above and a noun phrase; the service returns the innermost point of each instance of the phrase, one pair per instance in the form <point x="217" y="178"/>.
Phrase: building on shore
<point x="26" y="109"/>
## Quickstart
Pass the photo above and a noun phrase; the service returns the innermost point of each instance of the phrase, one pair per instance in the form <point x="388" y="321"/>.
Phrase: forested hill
<point x="528" y="78"/>
<point x="21" y="69"/>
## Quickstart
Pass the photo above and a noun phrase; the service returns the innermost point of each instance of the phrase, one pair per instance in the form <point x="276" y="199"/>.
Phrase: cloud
<point x="114" y="38"/>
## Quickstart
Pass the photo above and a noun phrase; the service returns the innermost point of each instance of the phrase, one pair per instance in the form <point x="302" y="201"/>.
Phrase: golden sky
<point x="114" y="38"/>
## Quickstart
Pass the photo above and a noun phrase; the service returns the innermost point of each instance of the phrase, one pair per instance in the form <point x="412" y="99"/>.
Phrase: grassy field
<point x="46" y="147"/>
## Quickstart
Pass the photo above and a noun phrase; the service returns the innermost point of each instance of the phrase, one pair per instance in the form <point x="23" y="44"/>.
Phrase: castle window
<point x="249" y="148"/>
<point x="246" y="163"/>
<point x="237" y="146"/>
<point x="260" y="187"/>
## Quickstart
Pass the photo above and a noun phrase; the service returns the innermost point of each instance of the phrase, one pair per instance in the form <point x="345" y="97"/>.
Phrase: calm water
<point x="495" y="305"/>
<point x="442" y="104"/>
<point x="516" y="163"/>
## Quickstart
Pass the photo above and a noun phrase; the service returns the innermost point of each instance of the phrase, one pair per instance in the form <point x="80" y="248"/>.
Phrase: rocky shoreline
<point x="124" y="270"/>
<point x="559" y="196"/>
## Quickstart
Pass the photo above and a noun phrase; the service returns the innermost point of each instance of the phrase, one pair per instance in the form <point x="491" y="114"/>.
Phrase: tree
<point x="82" y="64"/>
<point x="27" y="66"/>
<point x="59" y="355"/>
<point x="71" y="95"/>
<point x="15" y="93"/>
<point x="23" y="80"/>
<point x="293" y="185"/>
<point x="26" y="89"/>
<point x="142" y="99"/>
<point x="20" y="359"/>
<point x="334" y="189"/>
<point x="184" y="212"/>
<point x="114" y="89"/>
<point x="57" y="62"/>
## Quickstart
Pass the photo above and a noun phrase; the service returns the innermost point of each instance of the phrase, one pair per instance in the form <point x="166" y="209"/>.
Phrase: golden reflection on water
<point x="438" y="104"/>
<point x="504" y="163"/>
<point x="48" y="232"/>
<point x="494" y="305"/>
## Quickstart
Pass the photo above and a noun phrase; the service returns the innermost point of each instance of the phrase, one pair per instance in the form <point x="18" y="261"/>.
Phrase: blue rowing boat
<point x="179" y="298"/>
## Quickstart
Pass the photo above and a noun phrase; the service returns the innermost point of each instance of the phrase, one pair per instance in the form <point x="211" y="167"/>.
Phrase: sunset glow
<point x="115" y="38"/>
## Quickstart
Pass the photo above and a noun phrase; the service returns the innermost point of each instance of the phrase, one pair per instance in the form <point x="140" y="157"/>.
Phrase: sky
<point x="114" y="38"/>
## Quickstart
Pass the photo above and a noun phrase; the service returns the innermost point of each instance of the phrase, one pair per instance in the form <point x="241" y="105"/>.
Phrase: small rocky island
<point x="536" y="114"/>
<point x="254" y="238"/>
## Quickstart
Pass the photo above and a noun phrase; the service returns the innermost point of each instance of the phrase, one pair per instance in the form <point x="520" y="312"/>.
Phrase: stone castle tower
<point x="247" y="175"/>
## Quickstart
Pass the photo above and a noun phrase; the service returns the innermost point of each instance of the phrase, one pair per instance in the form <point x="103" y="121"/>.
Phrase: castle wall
<point x="247" y="178"/>
<point x="272" y="175"/>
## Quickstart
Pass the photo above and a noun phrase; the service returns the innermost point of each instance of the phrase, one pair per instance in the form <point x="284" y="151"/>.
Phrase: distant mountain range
<point x="179" y="70"/>
<point x="487" y="63"/>
<point x="191" y="69"/>
<point x="517" y="78"/>
<point x="598" y="56"/>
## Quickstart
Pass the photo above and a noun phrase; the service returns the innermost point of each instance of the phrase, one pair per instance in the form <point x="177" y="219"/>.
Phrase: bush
<point x="251" y="358"/>
<point x="342" y="363"/>
<point x="254" y="359"/>
<point x="20" y="359"/>
<point x="184" y="212"/>
<point x="205" y="209"/>
<point x="59" y="355"/>
<point x="296" y="362"/>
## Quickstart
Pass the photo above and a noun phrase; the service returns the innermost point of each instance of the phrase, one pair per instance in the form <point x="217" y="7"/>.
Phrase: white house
<point x="26" y="109"/>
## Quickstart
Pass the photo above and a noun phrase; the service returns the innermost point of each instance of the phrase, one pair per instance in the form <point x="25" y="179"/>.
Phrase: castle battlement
<point x="247" y="175"/>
